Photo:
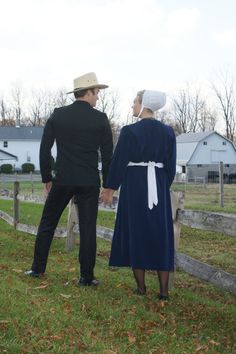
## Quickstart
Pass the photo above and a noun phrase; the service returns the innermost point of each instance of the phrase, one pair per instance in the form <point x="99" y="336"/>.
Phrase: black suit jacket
<point x="79" y="131"/>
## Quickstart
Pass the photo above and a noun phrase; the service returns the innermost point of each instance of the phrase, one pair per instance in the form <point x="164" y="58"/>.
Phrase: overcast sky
<point x="130" y="44"/>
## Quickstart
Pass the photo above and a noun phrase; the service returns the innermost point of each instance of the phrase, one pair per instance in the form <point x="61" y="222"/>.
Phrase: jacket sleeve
<point x="119" y="161"/>
<point x="171" y="157"/>
<point x="45" y="157"/>
<point x="106" y="148"/>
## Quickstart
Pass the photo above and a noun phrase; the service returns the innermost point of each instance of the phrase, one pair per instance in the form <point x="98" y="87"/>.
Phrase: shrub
<point x="6" y="168"/>
<point x="27" y="167"/>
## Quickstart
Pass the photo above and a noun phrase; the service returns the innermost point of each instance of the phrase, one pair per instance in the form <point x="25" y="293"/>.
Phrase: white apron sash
<point x="151" y="180"/>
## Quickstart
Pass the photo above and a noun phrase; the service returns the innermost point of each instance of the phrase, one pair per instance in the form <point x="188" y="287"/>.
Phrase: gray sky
<point x="130" y="44"/>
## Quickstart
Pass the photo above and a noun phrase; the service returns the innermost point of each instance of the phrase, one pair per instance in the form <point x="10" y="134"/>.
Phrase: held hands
<point x="107" y="195"/>
<point x="46" y="188"/>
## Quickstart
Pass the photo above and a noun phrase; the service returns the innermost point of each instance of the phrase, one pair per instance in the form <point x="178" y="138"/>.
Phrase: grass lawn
<point x="53" y="315"/>
<point x="200" y="197"/>
<point x="210" y="247"/>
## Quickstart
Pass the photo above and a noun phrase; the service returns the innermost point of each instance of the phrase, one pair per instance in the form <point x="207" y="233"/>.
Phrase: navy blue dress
<point x="143" y="238"/>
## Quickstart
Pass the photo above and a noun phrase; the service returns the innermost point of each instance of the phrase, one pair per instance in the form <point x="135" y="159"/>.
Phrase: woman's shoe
<point x="139" y="291"/>
<point x="163" y="297"/>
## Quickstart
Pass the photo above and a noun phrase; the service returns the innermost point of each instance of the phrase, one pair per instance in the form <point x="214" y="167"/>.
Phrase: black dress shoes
<point x="85" y="282"/>
<point x="32" y="273"/>
<point x="163" y="297"/>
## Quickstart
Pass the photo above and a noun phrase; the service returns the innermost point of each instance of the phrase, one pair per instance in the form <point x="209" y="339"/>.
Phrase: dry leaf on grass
<point x="17" y="270"/>
<point x="65" y="296"/>
<point x="131" y="337"/>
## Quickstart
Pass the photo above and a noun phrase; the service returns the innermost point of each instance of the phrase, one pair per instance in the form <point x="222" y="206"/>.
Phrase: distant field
<point x="197" y="196"/>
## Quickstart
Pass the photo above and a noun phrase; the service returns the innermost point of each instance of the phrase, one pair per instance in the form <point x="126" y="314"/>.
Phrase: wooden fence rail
<point x="223" y="223"/>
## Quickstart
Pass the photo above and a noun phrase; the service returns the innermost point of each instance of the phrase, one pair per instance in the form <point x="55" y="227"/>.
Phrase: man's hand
<point x="107" y="195"/>
<point x="46" y="188"/>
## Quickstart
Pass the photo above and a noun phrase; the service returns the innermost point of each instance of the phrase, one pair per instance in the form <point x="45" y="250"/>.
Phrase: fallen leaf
<point x="3" y="266"/>
<point x="131" y="337"/>
<point x="201" y="348"/>
<point x="65" y="296"/>
<point x="17" y="270"/>
<point x="72" y="270"/>
<point x="40" y="287"/>
<point x="119" y="285"/>
<point x="56" y="337"/>
<point x="213" y="342"/>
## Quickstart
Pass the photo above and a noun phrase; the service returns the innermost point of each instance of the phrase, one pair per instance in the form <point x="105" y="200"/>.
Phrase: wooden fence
<point x="224" y="223"/>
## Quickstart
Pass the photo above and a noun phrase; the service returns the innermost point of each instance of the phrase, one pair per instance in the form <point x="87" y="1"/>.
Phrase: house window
<point x="28" y="158"/>
<point x="205" y="143"/>
<point x="224" y="143"/>
<point x="199" y="165"/>
<point x="5" y="144"/>
<point x="183" y="169"/>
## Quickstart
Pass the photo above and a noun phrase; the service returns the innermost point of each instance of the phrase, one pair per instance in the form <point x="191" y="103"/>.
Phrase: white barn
<point x="199" y="155"/>
<point x="22" y="143"/>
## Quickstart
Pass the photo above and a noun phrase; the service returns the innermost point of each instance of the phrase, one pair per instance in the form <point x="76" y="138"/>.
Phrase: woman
<point x="144" y="165"/>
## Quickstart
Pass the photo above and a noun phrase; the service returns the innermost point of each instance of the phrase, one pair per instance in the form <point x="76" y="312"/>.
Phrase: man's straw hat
<point x="87" y="81"/>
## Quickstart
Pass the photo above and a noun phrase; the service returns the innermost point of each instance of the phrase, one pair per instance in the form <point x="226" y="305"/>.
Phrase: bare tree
<point x="61" y="98"/>
<point x="6" y="113"/>
<point x="225" y="92"/>
<point x="109" y="103"/>
<point x="3" y="110"/>
<point x="36" y="109"/>
<point x="191" y="111"/>
<point x="180" y="110"/>
<point x="208" y="119"/>
<point x="49" y="104"/>
<point x="17" y="104"/>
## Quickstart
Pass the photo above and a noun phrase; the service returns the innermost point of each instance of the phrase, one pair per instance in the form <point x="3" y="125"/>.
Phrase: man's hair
<point x="82" y="93"/>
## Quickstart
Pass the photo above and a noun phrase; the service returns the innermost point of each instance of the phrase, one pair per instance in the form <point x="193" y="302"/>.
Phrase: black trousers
<point x="86" y="199"/>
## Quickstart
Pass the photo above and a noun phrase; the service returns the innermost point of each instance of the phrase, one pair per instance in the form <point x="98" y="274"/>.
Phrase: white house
<point x="199" y="155"/>
<point x="23" y="143"/>
<point x="5" y="156"/>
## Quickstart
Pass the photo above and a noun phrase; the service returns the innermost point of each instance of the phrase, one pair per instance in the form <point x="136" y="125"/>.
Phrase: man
<point x="79" y="131"/>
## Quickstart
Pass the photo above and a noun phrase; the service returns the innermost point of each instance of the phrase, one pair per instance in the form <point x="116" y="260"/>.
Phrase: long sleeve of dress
<point x="106" y="149"/>
<point x="45" y="158"/>
<point x="170" y="164"/>
<point x="119" y="161"/>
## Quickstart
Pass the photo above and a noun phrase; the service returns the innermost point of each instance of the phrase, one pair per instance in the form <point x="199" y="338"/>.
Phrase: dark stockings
<point x="139" y="275"/>
<point x="163" y="277"/>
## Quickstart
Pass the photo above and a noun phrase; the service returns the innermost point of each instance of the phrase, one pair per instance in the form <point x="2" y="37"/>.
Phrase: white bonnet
<point x="153" y="100"/>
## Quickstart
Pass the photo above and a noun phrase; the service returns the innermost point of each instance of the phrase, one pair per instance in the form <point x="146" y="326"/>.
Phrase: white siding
<point x="184" y="152"/>
<point x="213" y="152"/>
<point x="26" y="151"/>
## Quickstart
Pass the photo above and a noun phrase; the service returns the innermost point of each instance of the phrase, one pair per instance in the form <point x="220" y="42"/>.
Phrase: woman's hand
<point x="107" y="195"/>
<point x="46" y="188"/>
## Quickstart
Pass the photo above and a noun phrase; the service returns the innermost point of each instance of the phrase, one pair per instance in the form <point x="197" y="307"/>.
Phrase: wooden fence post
<point x="177" y="203"/>
<point x="32" y="183"/>
<point x="72" y="221"/>
<point x="221" y="180"/>
<point x="16" y="203"/>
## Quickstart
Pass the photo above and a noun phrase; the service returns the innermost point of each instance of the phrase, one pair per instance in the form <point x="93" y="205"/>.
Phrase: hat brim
<point x="99" y="86"/>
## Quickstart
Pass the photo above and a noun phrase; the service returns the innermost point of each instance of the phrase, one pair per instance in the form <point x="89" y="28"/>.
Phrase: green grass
<point x="207" y="198"/>
<point x="53" y="315"/>
<point x="210" y="247"/>
<point x="30" y="213"/>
